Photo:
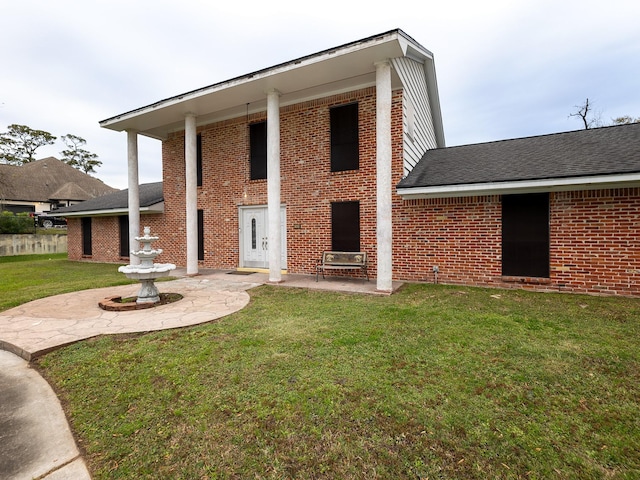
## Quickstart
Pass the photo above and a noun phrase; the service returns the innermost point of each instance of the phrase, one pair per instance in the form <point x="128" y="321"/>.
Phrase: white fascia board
<point x="525" y="186"/>
<point x="158" y="208"/>
<point x="344" y="68"/>
<point x="389" y="43"/>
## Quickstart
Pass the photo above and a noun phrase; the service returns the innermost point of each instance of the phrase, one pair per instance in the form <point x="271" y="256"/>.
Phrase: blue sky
<point x="505" y="69"/>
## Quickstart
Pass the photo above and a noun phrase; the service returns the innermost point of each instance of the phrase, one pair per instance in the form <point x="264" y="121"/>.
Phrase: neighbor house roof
<point x="584" y="159"/>
<point x="49" y="179"/>
<point x="151" y="201"/>
<point x="336" y="70"/>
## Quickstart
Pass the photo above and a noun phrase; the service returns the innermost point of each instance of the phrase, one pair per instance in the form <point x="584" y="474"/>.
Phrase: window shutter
<point x="344" y="138"/>
<point x="345" y="226"/>
<point x="525" y="235"/>
<point x="258" y="150"/>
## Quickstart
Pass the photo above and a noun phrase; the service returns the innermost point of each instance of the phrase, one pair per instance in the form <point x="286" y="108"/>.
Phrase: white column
<point x="191" y="192"/>
<point x="383" y="176"/>
<point x="133" y="194"/>
<point x="273" y="184"/>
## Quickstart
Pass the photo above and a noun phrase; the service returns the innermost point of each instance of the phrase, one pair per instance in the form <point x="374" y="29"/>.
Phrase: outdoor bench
<point x="342" y="261"/>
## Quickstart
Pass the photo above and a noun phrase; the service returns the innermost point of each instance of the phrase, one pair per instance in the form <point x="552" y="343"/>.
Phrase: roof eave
<point x="522" y="186"/>
<point x="344" y="68"/>
<point x="156" y="208"/>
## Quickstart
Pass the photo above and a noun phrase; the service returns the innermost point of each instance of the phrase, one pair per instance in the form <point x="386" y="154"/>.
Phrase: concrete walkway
<point x="39" y="326"/>
<point x="35" y="439"/>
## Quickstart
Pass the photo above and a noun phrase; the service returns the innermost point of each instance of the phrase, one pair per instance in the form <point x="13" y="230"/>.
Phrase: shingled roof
<point x="151" y="201"/>
<point x="49" y="179"/>
<point x="579" y="158"/>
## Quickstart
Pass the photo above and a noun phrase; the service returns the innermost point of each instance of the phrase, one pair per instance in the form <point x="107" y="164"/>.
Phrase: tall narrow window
<point x="86" y="236"/>
<point x="199" y="159"/>
<point x="200" y="235"/>
<point x="525" y="235"/>
<point x="345" y="226"/>
<point x="124" y="235"/>
<point x="254" y="234"/>
<point x="344" y="138"/>
<point x="258" y="150"/>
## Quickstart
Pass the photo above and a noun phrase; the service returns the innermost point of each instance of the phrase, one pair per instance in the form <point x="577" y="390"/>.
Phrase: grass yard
<point x="28" y="277"/>
<point x="434" y="382"/>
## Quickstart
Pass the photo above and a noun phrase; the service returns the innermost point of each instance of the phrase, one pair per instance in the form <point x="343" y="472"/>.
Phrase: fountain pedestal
<point x="147" y="272"/>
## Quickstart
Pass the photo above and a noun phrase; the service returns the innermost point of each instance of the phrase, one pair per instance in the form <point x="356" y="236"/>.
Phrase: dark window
<point x="345" y="226"/>
<point x="86" y="236"/>
<point x="525" y="235"/>
<point x="344" y="138"/>
<point x="258" y="150"/>
<point x="18" y="208"/>
<point x="199" y="159"/>
<point x="200" y="235"/>
<point x="124" y="235"/>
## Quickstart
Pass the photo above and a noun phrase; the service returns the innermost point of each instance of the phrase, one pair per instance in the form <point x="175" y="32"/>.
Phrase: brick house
<point x="344" y="150"/>
<point x="100" y="227"/>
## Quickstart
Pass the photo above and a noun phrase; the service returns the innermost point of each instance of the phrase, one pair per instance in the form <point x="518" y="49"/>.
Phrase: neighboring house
<point x="46" y="185"/>
<point x="344" y="150"/>
<point x="99" y="228"/>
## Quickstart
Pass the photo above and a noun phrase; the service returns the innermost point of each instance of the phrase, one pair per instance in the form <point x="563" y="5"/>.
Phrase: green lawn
<point x="28" y="277"/>
<point x="433" y="382"/>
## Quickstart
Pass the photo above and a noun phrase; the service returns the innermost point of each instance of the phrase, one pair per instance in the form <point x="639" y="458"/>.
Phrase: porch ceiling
<point x="336" y="70"/>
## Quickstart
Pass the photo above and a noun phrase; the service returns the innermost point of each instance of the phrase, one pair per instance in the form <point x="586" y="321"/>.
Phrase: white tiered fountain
<point x="147" y="271"/>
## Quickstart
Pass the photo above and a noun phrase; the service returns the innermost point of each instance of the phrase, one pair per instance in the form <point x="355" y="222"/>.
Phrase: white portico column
<point x="133" y="195"/>
<point x="191" y="192"/>
<point x="383" y="175"/>
<point x="273" y="184"/>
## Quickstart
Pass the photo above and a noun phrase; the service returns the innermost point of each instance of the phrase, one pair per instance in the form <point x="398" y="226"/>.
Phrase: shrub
<point x="16" y="223"/>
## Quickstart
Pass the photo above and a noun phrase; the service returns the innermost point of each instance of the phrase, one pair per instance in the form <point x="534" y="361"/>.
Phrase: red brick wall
<point x="307" y="185"/>
<point x="461" y="236"/>
<point x="594" y="242"/>
<point x="105" y="238"/>
<point x="594" y="234"/>
<point x="74" y="239"/>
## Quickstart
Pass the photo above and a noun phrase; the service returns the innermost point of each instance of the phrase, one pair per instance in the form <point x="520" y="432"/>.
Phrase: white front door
<point x="254" y="237"/>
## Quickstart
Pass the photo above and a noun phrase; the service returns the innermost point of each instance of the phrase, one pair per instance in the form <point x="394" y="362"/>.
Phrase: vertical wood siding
<point x="413" y="79"/>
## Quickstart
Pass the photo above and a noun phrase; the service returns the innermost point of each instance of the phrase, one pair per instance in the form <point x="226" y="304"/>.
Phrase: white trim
<point x="524" y="186"/>
<point x="156" y="208"/>
<point x="393" y="37"/>
<point x="340" y="69"/>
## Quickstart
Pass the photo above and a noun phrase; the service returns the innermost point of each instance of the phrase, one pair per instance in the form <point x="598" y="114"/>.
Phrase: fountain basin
<point x="146" y="275"/>
<point x="147" y="271"/>
<point x="142" y="272"/>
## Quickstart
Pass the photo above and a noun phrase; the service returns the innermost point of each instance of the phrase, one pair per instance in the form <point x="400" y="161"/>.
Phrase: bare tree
<point x="591" y="119"/>
<point x="586" y="114"/>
